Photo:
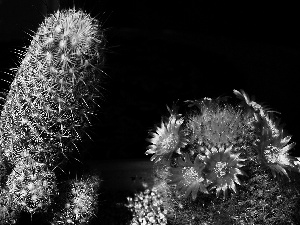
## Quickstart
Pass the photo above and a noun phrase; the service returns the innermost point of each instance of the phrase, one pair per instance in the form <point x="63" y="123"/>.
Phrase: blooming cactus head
<point x="189" y="177"/>
<point x="207" y="148"/>
<point x="273" y="144"/>
<point x="167" y="138"/>
<point x="222" y="168"/>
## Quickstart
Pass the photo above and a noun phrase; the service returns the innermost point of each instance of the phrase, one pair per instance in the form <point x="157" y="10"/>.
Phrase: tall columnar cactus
<point x="47" y="110"/>
<point x="52" y="96"/>
<point x="230" y="148"/>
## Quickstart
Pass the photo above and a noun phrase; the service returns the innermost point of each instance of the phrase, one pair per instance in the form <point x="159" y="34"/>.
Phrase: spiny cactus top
<point x="31" y="186"/>
<point x="80" y="204"/>
<point x="52" y="96"/>
<point x="208" y="147"/>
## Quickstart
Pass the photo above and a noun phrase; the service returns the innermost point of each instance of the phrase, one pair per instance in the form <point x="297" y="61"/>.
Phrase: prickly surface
<point x="80" y="204"/>
<point x="7" y="214"/>
<point x="31" y="186"/>
<point x="52" y="96"/>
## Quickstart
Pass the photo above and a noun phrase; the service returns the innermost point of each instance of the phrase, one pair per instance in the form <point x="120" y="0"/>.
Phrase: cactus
<point x="8" y="213"/>
<point x="231" y="148"/>
<point x="80" y="204"/>
<point x="47" y="111"/>
<point x="31" y="186"/>
<point x="146" y="208"/>
<point x="52" y="97"/>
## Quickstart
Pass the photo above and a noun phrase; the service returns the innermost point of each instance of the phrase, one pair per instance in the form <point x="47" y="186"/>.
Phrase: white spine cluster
<point x="81" y="203"/>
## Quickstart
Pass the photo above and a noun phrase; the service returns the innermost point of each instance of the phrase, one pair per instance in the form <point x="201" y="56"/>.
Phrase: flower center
<point x="169" y="142"/>
<point x="221" y="169"/>
<point x="273" y="155"/>
<point x="190" y="175"/>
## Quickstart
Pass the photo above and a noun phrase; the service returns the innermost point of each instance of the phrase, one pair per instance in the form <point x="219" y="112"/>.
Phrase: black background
<point x="161" y="51"/>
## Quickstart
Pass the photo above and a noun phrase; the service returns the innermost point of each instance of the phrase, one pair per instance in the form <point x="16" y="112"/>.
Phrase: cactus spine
<point x="48" y="108"/>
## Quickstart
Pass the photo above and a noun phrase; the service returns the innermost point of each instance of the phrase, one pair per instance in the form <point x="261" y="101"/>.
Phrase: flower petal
<point x="195" y="189"/>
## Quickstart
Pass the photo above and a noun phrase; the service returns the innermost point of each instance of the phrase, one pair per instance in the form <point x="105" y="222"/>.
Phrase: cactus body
<point x="80" y="204"/>
<point x="31" y="186"/>
<point x="47" y="110"/>
<point x="8" y="214"/>
<point x="53" y="94"/>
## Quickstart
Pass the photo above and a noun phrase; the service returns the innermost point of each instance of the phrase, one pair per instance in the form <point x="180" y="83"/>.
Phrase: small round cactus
<point x="81" y="202"/>
<point x="31" y="186"/>
<point x="147" y="208"/>
<point x="216" y="148"/>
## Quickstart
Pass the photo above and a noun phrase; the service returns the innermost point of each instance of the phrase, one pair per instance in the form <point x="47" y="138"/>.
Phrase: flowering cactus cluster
<point x="46" y="113"/>
<point x="220" y="147"/>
